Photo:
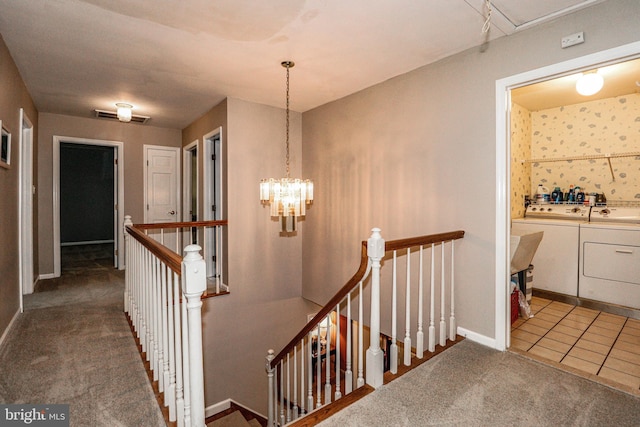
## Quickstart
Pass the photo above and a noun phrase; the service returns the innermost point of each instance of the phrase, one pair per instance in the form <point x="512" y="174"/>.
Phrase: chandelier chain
<point x="287" y="125"/>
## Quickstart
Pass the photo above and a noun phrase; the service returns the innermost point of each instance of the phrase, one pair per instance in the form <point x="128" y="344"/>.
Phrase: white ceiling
<point x="175" y="59"/>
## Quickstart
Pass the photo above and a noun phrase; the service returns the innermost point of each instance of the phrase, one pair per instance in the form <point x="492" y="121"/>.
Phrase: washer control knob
<point x="604" y="212"/>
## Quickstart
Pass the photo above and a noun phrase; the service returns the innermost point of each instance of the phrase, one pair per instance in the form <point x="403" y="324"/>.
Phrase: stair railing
<point x="299" y="384"/>
<point x="162" y="299"/>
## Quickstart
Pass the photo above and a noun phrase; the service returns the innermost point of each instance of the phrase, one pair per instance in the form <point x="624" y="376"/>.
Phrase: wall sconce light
<point x="589" y="84"/>
<point x="124" y="112"/>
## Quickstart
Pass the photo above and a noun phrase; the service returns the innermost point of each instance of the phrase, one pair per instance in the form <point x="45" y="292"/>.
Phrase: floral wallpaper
<point x="608" y="126"/>
<point x="591" y="128"/>
<point x="520" y="149"/>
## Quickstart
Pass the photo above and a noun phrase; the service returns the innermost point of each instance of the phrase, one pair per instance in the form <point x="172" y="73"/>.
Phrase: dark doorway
<point x="87" y="201"/>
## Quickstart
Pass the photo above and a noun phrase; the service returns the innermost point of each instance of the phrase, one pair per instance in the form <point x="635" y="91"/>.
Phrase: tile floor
<point x="597" y="343"/>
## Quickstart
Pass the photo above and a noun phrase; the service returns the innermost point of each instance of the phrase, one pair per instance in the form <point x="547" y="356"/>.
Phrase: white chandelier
<point x="287" y="197"/>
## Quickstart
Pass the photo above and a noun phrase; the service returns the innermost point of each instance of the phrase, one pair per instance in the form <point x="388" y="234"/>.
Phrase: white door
<point x="162" y="194"/>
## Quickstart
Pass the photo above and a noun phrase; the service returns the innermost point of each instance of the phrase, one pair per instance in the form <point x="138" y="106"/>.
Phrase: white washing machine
<point x="556" y="260"/>
<point x="610" y="256"/>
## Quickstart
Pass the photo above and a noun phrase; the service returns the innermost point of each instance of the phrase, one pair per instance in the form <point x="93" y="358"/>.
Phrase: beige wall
<point x="264" y="308"/>
<point x="211" y="121"/>
<point x="133" y="136"/>
<point x="13" y="96"/>
<point x="416" y="155"/>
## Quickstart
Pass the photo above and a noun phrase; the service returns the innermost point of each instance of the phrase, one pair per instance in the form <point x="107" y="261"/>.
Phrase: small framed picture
<point x="5" y="148"/>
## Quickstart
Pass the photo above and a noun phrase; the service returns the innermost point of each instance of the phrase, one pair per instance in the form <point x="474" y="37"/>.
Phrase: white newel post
<point x="194" y="283"/>
<point x="375" y="358"/>
<point x="128" y="272"/>
<point x="270" y="371"/>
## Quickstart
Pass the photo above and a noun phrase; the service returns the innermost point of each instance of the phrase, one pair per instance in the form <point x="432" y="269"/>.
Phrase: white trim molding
<point x="503" y="110"/>
<point x="6" y="332"/>
<point x="119" y="146"/>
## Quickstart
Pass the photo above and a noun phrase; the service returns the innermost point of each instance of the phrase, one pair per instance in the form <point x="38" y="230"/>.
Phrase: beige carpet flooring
<point x="472" y="385"/>
<point x="73" y="345"/>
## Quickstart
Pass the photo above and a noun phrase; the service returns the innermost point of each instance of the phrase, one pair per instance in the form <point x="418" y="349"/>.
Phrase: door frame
<point x="207" y="214"/>
<point x="503" y="172"/>
<point x="119" y="185"/>
<point x="187" y="157"/>
<point x="25" y="206"/>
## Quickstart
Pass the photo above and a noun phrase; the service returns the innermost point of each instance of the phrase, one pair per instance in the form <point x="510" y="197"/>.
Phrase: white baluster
<point x="217" y="230"/>
<point x="360" y="380"/>
<point x="288" y="400"/>
<point x="146" y="324"/>
<point x="303" y="379"/>
<point x="327" y="357"/>
<point x="282" y="416"/>
<point x="155" y="307"/>
<point x="310" y="374"/>
<point x="129" y="267"/>
<point x="407" y="308"/>
<point x="294" y="408"/>
<point x="393" y="351"/>
<point x="452" y="317"/>
<point x="171" y="283"/>
<point x="271" y="386"/>
<point x="375" y="358"/>
<point x="443" y="324"/>
<point x="318" y="372"/>
<point x="193" y="286"/>
<point x="186" y="360"/>
<point x="432" y="326"/>
<point x="177" y="308"/>
<point x="348" y="373"/>
<point x="164" y="353"/>
<point x="420" y="333"/>
<point x="338" y="393"/>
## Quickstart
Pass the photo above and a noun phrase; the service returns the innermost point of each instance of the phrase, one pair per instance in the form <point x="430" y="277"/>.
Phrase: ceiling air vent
<point x="111" y="115"/>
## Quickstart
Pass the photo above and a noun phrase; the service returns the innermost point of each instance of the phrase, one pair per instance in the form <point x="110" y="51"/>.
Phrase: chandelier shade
<point x="287" y="197"/>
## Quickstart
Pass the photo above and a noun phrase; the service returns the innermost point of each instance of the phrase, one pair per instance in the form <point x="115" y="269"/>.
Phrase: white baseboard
<point x="226" y="404"/>
<point x="87" y="242"/>
<point x="216" y="408"/>
<point x="476" y="337"/>
<point x="47" y="276"/>
<point x="8" y="329"/>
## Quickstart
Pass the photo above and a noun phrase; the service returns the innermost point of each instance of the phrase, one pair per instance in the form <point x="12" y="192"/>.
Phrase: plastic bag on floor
<point x="525" y="309"/>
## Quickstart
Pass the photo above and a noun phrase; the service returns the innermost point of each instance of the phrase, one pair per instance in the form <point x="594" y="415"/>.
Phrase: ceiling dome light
<point x="589" y="84"/>
<point x="124" y="112"/>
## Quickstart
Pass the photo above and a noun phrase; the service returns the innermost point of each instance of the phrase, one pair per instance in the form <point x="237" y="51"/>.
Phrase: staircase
<point x="324" y="367"/>
<point x="235" y="416"/>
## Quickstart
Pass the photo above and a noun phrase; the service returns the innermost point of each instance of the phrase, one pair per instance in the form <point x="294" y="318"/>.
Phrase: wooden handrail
<point x="164" y="254"/>
<point x="422" y="240"/>
<point x="158" y="225"/>
<point x="362" y="269"/>
<point x="348" y="287"/>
